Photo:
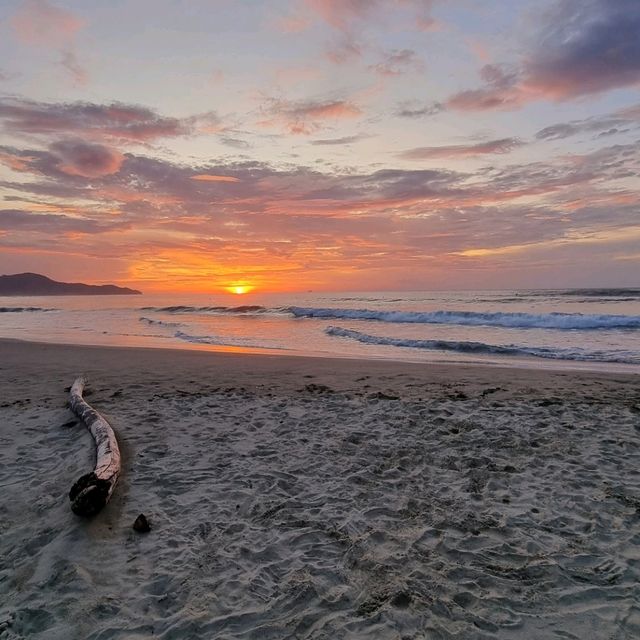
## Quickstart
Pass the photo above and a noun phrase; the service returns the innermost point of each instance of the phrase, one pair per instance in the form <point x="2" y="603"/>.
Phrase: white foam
<point x="481" y="347"/>
<point x="474" y="318"/>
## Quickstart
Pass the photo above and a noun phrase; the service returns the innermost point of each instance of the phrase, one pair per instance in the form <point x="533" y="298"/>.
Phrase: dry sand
<point x="310" y="498"/>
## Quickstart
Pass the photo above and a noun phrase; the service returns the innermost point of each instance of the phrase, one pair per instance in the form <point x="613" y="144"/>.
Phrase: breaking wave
<point x="482" y="348"/>
<point x="198" y="339"/>
<point x="222" y="341"/>
<point x="250" y="308"/>
<point x="159" y="323"/>
<point x="22" y="309"/>
<point x="614" y="292"/>
<point x="513" y="320"/>
<point x="474" y="318"/>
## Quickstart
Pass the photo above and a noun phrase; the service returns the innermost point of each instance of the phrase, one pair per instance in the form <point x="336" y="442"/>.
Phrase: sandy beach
<point x="319" y="498"/>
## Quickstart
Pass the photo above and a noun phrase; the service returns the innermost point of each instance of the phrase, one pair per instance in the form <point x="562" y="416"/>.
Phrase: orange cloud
<point x="205" y="177"/>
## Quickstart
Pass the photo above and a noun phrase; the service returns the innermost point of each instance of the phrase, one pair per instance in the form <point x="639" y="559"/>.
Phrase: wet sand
<point x="317" y="498"/>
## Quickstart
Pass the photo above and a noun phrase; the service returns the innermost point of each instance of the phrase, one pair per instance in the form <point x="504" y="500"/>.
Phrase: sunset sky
<point x="321" y="144"/>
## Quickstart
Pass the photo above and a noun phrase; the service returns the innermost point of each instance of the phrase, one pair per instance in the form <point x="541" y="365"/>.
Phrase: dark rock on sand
<point x="141" y="525"/>
<point x="401" y="600"/>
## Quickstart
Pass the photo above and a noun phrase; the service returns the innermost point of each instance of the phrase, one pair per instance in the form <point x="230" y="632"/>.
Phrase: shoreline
<point x="313" y="498"/>
<point x="505" y="363"/>
<point x="251" y="364"/>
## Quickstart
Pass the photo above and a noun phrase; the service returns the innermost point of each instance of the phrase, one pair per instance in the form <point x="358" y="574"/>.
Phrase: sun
<point x="239" y="289"/>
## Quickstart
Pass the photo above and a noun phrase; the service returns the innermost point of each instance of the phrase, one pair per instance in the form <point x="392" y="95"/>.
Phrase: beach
<point x="296" y="497"/>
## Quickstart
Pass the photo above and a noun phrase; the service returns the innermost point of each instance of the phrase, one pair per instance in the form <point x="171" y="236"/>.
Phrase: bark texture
<point x="92" y="491"/>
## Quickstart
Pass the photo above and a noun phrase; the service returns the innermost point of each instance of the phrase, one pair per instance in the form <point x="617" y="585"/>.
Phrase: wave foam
<point x="483" y="348"/>
<point x="474" y="318"/>
<point x="244" y="309"/>
<point x="159" y="323"/>
<point x="222" y="341"/>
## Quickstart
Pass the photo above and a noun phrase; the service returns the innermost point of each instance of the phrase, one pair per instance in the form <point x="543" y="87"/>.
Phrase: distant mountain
<point x="33" y="284"/>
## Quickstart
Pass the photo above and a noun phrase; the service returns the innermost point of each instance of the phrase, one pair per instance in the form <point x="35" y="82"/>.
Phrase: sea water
<point x="579" y="328"/>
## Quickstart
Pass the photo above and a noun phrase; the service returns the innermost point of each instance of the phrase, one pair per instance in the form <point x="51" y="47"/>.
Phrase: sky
<point x="295" y="145"/>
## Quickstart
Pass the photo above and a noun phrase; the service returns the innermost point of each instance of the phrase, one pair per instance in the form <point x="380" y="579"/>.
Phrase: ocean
<point x="596" y="329"/>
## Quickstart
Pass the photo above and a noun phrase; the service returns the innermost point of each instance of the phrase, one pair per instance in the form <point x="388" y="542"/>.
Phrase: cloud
<point x="77" y="72"/>
<point x="115" y="121"/>
<point x="588" y="46"/>
<point x="157" y="186"/>
<point x="307" y="117"/>
<point x="40" y="23"/>
<point x="432" y="109"/>
<point x="207" y="177"/>
<point x="332" y="109"/>
<point x="54" y="224"/>
<point x="12" y="159"/>
<point x="427" y="23"/>
<point x="292" y="23"/>
<point x="618" y="122"/>
<point x="202" y="123"/>
<point x="344" y="14"/>
<point x="341" y="13"/>
<point x="504" y="145"/>
<point x="340" y="141"/>
<point x="295" y="219"/>
<point x="580" y="47"/>
<point x="236" y="143"/>
<point x="70" y="157"/>
<point x="397" y="63"/>
<point x="344" y="49"/>
<point x="349" y="17"/>
<point x="79" y="158"/>
<point x="501" y="91"/>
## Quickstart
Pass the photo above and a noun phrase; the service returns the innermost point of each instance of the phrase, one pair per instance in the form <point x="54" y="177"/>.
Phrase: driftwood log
<point x="92" y="491"/>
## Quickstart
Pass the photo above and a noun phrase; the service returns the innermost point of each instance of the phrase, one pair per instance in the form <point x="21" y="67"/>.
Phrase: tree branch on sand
<point x="92" y="491"/>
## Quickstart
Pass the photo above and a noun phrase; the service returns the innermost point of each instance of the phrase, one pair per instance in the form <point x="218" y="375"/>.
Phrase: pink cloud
<point x="115" y="121"/>
<point x="14" y="162"/>
<point x="427" y="23"/>
<point x="340" y="13"/>
<point x="314" y="217"/>
<point x="292" y="24"/>
<point x="491" y="98"/>
<point x="304" y="118"/>
<point x="78" y="158"/>
<point x="328" y="110"/>
<point x="501" y="91"/>
<point x="40" y="23"/>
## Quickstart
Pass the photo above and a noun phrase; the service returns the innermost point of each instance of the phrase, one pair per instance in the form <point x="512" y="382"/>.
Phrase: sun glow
<point x="239" y="289"/>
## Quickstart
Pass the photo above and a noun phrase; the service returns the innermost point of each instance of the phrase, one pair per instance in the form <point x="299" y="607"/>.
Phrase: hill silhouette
<point x="34" y="284"/>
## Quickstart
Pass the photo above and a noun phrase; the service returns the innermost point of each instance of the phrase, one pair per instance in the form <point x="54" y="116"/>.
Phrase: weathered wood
<point x="92" y="491"/>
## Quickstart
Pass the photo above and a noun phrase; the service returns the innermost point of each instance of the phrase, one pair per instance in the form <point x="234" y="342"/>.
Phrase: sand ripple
<point x="326" y="514"/>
